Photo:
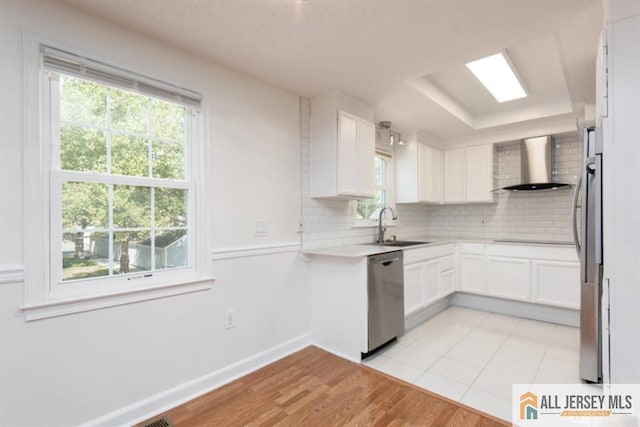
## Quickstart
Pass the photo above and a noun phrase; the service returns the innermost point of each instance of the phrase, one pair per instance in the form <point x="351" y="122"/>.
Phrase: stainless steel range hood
<point x="537" y="157"/>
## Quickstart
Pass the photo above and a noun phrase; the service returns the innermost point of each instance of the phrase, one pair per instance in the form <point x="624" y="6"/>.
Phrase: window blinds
<point x="69" y="63"/>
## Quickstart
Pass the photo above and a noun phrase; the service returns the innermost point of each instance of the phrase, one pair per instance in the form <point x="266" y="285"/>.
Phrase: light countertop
<point x="358" y="251"/>
<point x="364" y="250"/>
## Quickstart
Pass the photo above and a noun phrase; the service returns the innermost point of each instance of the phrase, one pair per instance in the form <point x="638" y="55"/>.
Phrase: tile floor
<point x="474" y="357"/>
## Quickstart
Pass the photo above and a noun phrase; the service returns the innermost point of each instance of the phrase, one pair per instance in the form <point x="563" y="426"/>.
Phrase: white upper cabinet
<point x="366" y="158"/>
<point x="479" y="173"/>
<point x="455" y="176"/>
<point x="418" y="173"/>
<point x="430" y="178"/>
<point x="342" y="148"/>
<point x="468" y="175"/>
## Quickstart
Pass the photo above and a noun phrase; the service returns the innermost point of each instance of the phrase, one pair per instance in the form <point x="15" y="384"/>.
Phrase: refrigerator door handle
<point x="598" y="210"/>
<point x="574" y="214"/>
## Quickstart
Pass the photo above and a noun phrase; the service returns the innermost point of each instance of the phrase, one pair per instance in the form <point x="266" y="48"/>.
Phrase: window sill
<point x="56" y="308"/>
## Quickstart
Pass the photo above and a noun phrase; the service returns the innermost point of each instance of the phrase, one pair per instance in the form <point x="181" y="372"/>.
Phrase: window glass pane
<point x="84" y="255"/>
<point x="381" y="198"/>
<point x="170" y="207"/>
<point x="132" y="251"/>
<point x="85" y="205"/>
<point x="366" y="209"/>
<point x="380" y="166"/>
<point x="109" y="229"/>
<point x="167" y="121"/>
<point x="172" y="249"/>
<point x="168" y="160"/>
<point x="131" y="206"/>
<point x="83" y="102"/>
<point x="82" y="149"/>
<point x="370" y="208"/>
<point x="129" y="155"/>
<point x="129" y="112"/>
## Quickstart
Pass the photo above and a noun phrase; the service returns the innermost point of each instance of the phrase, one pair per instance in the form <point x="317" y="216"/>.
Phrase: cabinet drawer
<point x="533" y="251"/>
<point x="472" y="248"/>
<point x="447" y="249"/>
<point x="421" y="254"/>
<point x="447" y="262"/>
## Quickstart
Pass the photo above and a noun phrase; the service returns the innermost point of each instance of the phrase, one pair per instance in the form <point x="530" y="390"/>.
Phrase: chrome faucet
<point x="382" y="229"/>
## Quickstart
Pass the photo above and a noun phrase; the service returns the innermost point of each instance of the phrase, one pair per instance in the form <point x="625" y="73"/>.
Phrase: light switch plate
<point x="262" y="228"/>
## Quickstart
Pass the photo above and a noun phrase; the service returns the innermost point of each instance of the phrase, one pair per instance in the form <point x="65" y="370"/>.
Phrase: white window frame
<point x="387" y="221"/>
<point x="44" y="298"/>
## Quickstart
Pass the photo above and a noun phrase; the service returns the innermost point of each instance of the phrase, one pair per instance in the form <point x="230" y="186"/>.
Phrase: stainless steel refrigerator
<point x="588" y="237"/>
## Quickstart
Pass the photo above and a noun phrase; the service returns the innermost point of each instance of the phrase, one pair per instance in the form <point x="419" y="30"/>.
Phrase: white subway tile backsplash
<point x="534" y="216"/>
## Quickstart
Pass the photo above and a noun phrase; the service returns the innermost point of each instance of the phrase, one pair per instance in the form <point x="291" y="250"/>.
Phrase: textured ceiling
<point x="367" y="48"/>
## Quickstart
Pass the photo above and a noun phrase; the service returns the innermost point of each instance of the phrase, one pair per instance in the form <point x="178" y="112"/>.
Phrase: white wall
<point x="75" y="368"/>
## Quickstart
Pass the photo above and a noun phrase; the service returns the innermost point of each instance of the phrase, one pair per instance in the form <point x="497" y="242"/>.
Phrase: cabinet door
<point x="472" y="273"/>
<point x="429" y="174"/>
<point x="479" y="173"/>
<point x="431" y="281"/>
<point x="509" y="278"/>
<point x="556" y="283"/>
<point x="366" y="158"/>
<point x="454" y="176"/>
<point x="436" y="176"/>
<point x="348" y="174"/>
<point x="447" y="282"/>
<point x="413" y="289"/>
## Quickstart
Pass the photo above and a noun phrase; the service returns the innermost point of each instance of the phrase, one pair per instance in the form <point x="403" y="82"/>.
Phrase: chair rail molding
<point x="11" y="274"/>
<point x="255" y="250"/>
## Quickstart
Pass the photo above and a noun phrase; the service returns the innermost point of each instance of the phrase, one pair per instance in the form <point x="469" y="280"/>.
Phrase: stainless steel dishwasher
<point x="385" y="283"/>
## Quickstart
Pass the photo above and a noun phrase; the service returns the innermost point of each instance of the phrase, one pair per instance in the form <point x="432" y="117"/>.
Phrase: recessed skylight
<point x="496" y="74"/>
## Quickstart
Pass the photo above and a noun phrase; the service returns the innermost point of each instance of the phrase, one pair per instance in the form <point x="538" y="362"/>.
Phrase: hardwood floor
<point x="312" y="388"/>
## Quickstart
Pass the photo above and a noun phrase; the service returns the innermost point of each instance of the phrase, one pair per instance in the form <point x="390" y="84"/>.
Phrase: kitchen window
<point x="120" y="180"/>
<point x="366" y="211"/>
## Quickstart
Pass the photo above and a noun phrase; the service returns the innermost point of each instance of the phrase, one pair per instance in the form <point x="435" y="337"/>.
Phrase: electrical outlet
<point x="230" y="319"/>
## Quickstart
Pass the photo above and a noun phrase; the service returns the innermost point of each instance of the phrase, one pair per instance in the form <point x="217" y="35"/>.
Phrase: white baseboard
<point x="545" y="313"/>
<point x="338" y="353"/>
<point x="161" y="402"/>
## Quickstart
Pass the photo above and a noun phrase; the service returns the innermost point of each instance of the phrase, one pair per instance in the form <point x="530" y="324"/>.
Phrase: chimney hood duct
<point x="537" y="157"/>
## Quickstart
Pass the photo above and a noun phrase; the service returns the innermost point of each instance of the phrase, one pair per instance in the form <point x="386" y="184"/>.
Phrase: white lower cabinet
<point x="447" y="282"/>
<point x="432" y="280"/>
<point x="556" y="283"/>
<point x="429" y="275"/>
<point x="509" y="278"/>
<point x="541" y="274"/>
<point x="413" y="288"/>
<point x="472" y="273"/>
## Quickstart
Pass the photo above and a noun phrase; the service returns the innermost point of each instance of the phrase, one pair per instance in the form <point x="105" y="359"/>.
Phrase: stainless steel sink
<point x="402" y="243"/>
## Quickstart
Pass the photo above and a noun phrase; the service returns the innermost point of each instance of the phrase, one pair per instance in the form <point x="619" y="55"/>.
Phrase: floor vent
<point x="162" y="422"/>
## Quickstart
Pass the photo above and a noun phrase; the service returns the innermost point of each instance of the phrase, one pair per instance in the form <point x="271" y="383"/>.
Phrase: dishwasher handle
<point x="386" y="258"/>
